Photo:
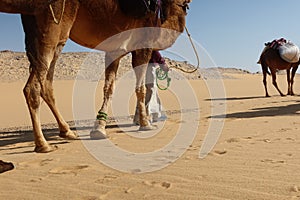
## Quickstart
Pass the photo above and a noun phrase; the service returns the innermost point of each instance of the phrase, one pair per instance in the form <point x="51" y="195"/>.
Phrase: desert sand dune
<point x="256" y="156"/>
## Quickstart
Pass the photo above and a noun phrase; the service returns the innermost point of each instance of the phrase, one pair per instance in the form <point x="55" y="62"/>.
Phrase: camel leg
<point x="32" y="95"/>
<point x="140" y="59"/>
<point x="44" y="40"/>
<point x="294" y="69"/>
<point x="39" y="61"/>
<point x="273" y="72"/>
<point x="98" y="131"/>
<point x="288" y="81"/>
<point x="48" y="97"/>
<point x="265" y="81"/>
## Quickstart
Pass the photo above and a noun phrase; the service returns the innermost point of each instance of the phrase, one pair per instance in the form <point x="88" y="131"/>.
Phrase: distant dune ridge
<point x="15" y="66"/>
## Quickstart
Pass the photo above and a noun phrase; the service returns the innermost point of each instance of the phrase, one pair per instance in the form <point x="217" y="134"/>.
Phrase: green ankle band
<point x="102" y="116"/>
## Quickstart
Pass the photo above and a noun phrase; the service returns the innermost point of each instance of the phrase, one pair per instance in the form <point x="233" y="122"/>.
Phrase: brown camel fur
<point x="271" y="59"/>
<point x="88" y="23"/>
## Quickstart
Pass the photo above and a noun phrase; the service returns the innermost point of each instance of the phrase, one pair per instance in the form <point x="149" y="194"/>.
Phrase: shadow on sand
<point x="11" y="138"/>
<point x="236" y="98"/>
<point x="285" y="110"/>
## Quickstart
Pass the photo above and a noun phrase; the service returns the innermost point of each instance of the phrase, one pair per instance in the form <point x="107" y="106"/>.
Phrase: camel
<point x="48" y="25"/>
<point x="271" y="59"/>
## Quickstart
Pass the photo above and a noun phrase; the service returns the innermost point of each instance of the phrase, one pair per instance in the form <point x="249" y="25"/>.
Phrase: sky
<point x="231" y="32"/>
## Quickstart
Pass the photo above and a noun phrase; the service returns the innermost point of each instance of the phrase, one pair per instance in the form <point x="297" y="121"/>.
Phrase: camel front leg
<point x="294" y="69"/>
<point x="99" y="131"/>
<point x="265" y="81"/>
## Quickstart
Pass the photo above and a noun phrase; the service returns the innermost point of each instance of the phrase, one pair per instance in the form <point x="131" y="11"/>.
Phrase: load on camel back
<point x="287" y="50"/>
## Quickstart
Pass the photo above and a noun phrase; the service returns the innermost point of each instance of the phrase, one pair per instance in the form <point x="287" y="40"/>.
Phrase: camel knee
<point x="265" y="82"/>
<point x="32" y="96"/>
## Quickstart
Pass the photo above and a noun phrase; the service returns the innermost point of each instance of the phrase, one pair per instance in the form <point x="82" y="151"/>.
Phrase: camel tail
<point x="263" y="66"/>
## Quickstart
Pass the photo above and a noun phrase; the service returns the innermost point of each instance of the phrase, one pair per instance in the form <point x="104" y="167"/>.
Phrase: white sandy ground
<point x="256" y="157"/>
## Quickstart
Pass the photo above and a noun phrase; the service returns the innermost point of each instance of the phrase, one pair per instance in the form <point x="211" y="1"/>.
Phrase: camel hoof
<point x="70" y="135"/>
<point x="45" y="149"/>
<point x="148" y="128"/>
<point x="98" y="135"/>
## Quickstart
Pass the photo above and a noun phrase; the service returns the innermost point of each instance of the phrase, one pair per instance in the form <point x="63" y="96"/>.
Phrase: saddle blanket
<point x="276" y="43"/>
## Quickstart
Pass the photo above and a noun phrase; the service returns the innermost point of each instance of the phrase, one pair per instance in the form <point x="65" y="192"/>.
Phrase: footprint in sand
<point x="129" y="190"/>
<point x="193" y="148"/>
<point x="68" y="170"/>
<point x="233" y="140"/>
<point x="295" y="188"/>
<point x="266" y="140"/>
<point x="290" y="139"/>
<point x="34" y="163"/>
<point x="107" y="178"/>
<point x="164" y="185"/>
<point x="220" y="152"/>
<point x="273" y="161"/>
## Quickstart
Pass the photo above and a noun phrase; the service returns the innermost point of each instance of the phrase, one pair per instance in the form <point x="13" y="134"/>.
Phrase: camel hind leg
<point x="291" y="80"/>
<point x="288" y="78"/>
<point x="44" y="40"/>
<point x="140" y="60"/>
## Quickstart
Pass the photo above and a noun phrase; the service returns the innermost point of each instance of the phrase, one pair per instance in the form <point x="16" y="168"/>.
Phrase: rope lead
<point x="162" y="75"/>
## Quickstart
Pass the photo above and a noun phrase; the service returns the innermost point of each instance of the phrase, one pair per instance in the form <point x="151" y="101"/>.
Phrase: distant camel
<point x="48" y="25"/>
<point x="271" y="59"/>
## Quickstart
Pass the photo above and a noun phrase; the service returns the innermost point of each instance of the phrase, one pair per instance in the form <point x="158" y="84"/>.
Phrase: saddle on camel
<point x="91" y="23"/>
<point x="279" y="54"/>
<point x="140" y="8"/>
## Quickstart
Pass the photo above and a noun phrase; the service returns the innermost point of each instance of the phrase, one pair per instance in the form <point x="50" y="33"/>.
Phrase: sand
<point x="256" y="156"/>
